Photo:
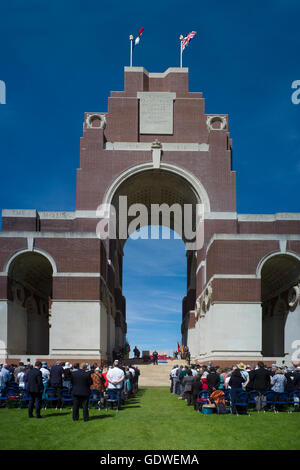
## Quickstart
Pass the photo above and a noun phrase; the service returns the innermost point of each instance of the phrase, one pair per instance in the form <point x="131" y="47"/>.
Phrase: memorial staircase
<point x="155" y="375"/>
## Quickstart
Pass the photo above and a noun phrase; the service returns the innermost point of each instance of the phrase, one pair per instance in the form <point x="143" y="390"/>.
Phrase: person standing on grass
<point x="196" y="389"/>
<point x="278" y="382"/>
<point x="115" y="377"/>
<point x="81" y="383"/>
<point x="188" y="383"/>
<point x="261" y="383"/>
<point x="56" y="381"/>
<point x="35" y="389"/>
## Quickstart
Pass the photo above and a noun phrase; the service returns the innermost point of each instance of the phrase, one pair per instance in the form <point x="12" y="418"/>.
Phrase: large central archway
<point x="175" y="201"/>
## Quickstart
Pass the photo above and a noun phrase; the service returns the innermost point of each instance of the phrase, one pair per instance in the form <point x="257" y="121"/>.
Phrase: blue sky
<point x="60" y="59"/>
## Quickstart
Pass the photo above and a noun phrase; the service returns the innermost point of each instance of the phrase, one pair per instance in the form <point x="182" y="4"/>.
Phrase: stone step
<point x="156" y="375"/>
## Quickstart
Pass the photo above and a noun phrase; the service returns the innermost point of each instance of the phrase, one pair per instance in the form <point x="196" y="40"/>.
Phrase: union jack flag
<point x="185" y="41"/>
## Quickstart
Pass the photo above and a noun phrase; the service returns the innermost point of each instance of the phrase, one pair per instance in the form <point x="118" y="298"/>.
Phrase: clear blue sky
<point x="62" y="58"/>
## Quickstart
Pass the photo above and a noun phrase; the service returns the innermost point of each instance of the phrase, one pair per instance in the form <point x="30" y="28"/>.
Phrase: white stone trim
<point x="15" y="234"/>
<point x="155" y="74"/>
<point x="142" y="167"/>
<point x="166" y="146"/>
<point x="251" y="236"/>
<point x="282" y="244"/>
<point x="268" y="217"/>
<point x="86" y="214"/>
<point x="80" y="274"/>
<point x="35" y="250"/>
<point x="19" y="213"/>
<point x="271" y="255"/>
<point x="57" y="215"/>
<point x="201" y="265"/>
<point x="220" y="215"/>
<point x="30" y="243"/>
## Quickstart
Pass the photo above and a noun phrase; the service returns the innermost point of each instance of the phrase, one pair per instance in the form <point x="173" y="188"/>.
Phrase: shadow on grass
<point x="54" y="415"/>
<point x="103" y="416"/>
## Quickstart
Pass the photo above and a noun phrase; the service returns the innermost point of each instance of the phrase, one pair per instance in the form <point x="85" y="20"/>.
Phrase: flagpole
<point x="181" y="38"/>
<point x="131" y="39"/>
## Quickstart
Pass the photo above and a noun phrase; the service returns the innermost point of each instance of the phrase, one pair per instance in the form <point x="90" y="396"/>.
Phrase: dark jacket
<point x="213" y="381"/>
<point x="196" y="387"/>
<point x="236" y="382"/>
<point x="34" y="381"/>
<point x="250" y="385"/>
<point x="261" y="379"/>
<point x="81" y="383"/>
<point x="188" y="383"/>
<point x="296" y="381"/>
<point x="56" y="373"/>
<point x="289" y="386"/>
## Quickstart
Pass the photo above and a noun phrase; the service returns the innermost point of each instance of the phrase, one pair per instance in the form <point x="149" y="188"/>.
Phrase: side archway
<point x="30" y="291"/>
<point x="280" y="277"/>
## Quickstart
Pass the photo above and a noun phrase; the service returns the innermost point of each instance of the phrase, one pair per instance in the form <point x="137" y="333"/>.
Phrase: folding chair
<point x="51" y="397"/>
<point x="66" y="397"/>
<point x="112" y="398"/>
<point x="3" y="399"/>
<point x="283" y="400"/>
<point x="269" y="399"/>
<point x="241" y="401"/>
<point x="203" y="399"/>
<point x="227" y="397"/>
<point x="13" y="394"/>
<point x="252" y="394"/>
<point x="24" y="397"/>
<point x="295" y="400"/>
<point x="95" y="397"/>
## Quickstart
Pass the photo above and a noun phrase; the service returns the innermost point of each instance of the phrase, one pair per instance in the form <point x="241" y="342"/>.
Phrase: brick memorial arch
<point x="61" y="284"/>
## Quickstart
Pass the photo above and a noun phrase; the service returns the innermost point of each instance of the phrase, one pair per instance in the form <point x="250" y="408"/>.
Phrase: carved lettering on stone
<point x="156" y="112"/>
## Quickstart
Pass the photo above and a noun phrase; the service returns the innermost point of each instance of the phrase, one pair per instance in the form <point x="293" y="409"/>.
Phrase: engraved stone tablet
<point x="156" y="112"/>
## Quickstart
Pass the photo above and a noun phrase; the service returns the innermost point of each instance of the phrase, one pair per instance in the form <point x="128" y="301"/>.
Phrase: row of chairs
<point x="248" y="400"/>
<point x="16" y="396"/>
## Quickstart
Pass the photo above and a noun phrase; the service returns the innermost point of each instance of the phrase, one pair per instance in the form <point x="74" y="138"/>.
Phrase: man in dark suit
<point x="35" y="389"/>
<point x="261" y="383"/>
<point x="56" y="381"/>
<point x="81" y="383"/>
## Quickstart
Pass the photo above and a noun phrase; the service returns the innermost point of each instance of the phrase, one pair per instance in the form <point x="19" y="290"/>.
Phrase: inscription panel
<point x="156" y="112"/>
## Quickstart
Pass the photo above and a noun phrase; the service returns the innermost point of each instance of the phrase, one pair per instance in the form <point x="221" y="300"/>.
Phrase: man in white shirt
<point x="115" y="377"/>
<point x="174" y="379"/>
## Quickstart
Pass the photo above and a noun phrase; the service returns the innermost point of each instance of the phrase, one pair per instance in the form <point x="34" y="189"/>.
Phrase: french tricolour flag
<point x="137" y="39"/>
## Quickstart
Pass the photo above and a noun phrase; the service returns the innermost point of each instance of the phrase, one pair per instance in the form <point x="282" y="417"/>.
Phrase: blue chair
<point x="3" y="399"/>
<point x="24" y="397"/>
<point x="112" y="398"/>
<point x="240" y="400"/>
<point x="295" y="400"/>
<point x="252" y="394"/>
<point x="51" y="397"/>
<point x="95" y="397"/>
<point x="269" y="399"/>
<point x="283" y="400"/>
<point x="227" y="396"/>
<point x="66" y="397"/>
<point x="13" y="394"/>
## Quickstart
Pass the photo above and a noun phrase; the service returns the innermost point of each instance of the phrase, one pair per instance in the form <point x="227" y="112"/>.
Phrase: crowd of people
<point x="189" y="381"/>
<point x="82" y="382"/>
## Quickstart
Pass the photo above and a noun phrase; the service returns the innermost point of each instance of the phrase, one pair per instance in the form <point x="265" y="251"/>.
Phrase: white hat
<point x="68" y="365"/>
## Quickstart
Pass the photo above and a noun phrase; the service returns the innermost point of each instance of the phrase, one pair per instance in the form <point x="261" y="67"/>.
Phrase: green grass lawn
<point x="154" y="420"/>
